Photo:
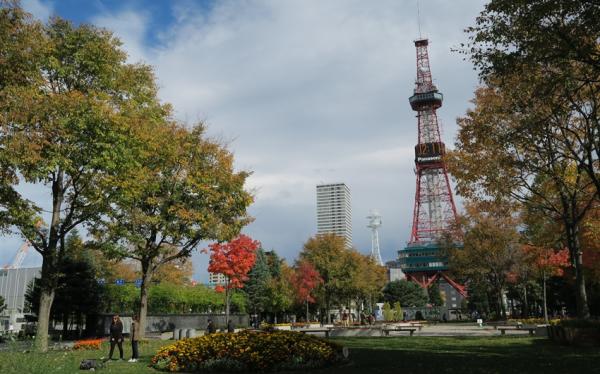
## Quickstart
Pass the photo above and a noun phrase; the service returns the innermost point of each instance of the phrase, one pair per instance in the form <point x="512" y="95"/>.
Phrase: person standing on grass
<point x="135" y="338"/>
<point x="230" y="327"/>
<point x="116" y="336"/>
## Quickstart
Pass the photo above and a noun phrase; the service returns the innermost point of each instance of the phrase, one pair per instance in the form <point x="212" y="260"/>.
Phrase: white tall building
<point x="334" y="210"/>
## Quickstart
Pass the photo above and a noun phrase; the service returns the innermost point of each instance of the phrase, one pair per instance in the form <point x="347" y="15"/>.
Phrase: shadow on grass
<point x="466" y="355"/>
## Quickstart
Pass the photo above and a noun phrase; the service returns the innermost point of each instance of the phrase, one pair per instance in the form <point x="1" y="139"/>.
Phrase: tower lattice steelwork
<point x="434" y="210"/>
<point x="374" y="224"/>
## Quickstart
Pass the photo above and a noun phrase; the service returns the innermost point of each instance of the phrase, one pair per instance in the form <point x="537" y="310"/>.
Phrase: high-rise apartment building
<point x="215" y="279"/>
<point x="334" y="210"/>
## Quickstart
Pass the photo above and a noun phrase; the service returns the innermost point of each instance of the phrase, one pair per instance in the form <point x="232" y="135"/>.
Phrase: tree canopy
<point x="408" y="294"/>
<point x="535" y="131"/>
<point x="68" y="104"/>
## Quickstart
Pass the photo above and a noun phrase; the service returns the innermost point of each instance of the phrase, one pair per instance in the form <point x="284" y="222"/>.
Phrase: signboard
<point x="138" y="283"/>
<point x="120" y="282"/>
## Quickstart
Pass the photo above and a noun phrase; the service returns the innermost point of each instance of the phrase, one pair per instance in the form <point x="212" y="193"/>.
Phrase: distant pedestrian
<point x="116" y="336"/>
<point x="210" y="328"/>
<point x="230" y="327"/>
<point x="444" y="318"/>
<point x="345" y="318"/>
<point x="135" y="338"/>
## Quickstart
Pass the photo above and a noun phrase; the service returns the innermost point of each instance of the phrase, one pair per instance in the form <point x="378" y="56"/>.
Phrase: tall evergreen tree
<point x="257" y="286"/>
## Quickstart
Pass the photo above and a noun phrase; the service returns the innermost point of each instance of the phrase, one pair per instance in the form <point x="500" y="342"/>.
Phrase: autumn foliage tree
<point x="233" y="259"/>
<point x="306" y="279"/>
<point x="491" y="249"/>
<point x="68" y="104"/>
<point x="535" y="131"/>
<point x="547" y="262"/>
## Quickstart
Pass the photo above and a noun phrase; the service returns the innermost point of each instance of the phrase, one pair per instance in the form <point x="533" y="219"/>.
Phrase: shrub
<point x="248" y="351"/>
<point x="87" y="344"/>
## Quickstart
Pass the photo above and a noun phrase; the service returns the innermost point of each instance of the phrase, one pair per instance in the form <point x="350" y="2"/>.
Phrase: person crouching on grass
<point x="135" y="338"/>
<point x="116" y="336"/>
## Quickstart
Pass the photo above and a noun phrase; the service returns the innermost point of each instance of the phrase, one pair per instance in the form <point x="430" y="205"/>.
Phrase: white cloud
<point x="40" y="10"/>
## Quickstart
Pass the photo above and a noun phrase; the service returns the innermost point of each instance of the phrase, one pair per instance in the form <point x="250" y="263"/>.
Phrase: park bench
<point x="325" y="330"/>
<point x="503" y="329"/>
<point x="386" y="331"/>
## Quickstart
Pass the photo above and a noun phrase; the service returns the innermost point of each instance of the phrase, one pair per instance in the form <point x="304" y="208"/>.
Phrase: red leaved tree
<point x="233" y="259"/>
<point x="306" y="280"/>
<point x="547" y="262"/>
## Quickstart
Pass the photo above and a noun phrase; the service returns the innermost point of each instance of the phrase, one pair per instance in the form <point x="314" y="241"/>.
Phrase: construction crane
<point x="19" y="257"/>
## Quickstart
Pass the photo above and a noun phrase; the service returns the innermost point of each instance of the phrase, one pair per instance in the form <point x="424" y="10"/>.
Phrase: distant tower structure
<point x="374" y="223"/>
<point x="434" y="211"/>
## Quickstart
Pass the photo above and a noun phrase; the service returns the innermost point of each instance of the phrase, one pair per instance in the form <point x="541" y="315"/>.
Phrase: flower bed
<point x="87" y="344"/>
<point x="248" y="351"/>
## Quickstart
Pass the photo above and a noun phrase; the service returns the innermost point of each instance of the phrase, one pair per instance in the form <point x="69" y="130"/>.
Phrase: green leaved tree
<point x="185" y="191"/>
<point x="68" y="102"/>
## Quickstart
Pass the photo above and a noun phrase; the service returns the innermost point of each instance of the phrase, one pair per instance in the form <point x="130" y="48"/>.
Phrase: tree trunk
<point x="327" y="309"/>
<point x="41" y="337"/>
<point x="65" y="327"/>
<point x="583" y="310"/>
<point x="307" y="320"/>
<point x="227" y="295"/>
<point x="525" y="313"/>
<point x="49" y="259"/>
<point x="544" y="298"/>
<point x="143" y="309"/>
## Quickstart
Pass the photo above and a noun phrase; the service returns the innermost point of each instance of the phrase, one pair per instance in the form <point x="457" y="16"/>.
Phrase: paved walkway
<point x="441" y="329"/>
<point x="462" y="329"/>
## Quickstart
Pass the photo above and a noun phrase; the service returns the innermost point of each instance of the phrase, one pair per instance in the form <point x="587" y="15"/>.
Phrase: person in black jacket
<point x="230" y="327"/>
<point x="116" y="336"/>
<point x="210" y="328"/>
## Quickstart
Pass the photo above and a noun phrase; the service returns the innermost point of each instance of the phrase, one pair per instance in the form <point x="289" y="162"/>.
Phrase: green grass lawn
<point x="399" y="355"/>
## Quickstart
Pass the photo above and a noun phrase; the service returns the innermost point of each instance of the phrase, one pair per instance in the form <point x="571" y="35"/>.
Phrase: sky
<point x="304" y="92"/>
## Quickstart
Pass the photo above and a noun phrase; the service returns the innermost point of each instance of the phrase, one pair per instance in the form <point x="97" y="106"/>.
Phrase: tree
<point x="388" y="312"/>
<point x="497" y="158"/>
<point x="328" y="254"/>
<point x="306" y="279"/>
<point x="367" y="279"/>
<point x="408" y="294"/>
<point x="539" y="115"/>
<point x="552" y="46"/>
<point x="256" y="288"/>
<point x="399" y="316"/>
<point x="491" y="248"/>
<point x="78" y="295"/>
<point x="68" y="102"/>
<point x="2" y="305"/>
<point x="435" y="296"/>
<point x="280" y="291"/>
<point x="185" y="191"/>
<point x="234" y="260"/>
<point x="547" y="262"/>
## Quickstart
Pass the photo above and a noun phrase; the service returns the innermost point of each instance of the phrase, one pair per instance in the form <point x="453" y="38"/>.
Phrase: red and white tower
<point x="434" y="211"/>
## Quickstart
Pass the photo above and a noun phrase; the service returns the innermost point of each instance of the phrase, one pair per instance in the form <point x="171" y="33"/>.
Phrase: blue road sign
<point x="120" y="282"/>
<point x="101" y="281"/>
<point x="138" y="283"/>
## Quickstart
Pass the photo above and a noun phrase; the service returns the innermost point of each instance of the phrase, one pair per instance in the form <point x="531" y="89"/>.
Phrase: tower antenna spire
<point x="419" y="18"/>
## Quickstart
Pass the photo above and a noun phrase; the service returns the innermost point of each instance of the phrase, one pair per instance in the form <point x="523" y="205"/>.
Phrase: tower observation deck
<point x="434" y="212"/>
